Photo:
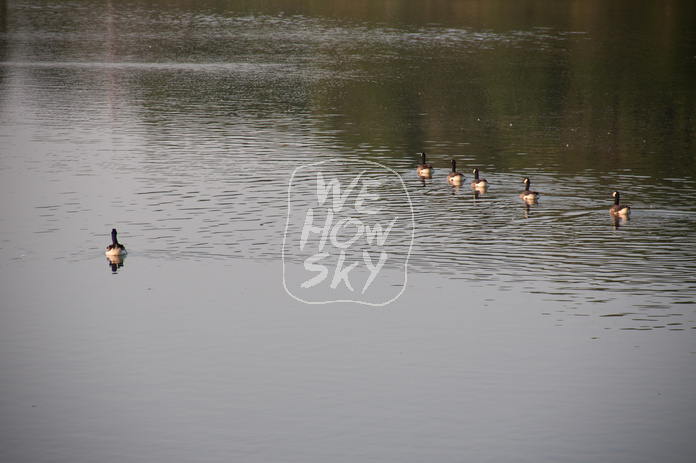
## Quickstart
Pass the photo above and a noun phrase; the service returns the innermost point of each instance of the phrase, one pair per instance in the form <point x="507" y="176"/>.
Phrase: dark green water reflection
<point x="575" y="85"/>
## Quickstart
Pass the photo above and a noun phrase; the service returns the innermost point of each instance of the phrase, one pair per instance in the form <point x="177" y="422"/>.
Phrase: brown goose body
<point x="618" y="209"/>
<point x="115" y="248"/>
<point x="424" y="169"/>
<point x="479" y="183"/>
<point x="529" y="196"/>
<point x="454" y="177"/>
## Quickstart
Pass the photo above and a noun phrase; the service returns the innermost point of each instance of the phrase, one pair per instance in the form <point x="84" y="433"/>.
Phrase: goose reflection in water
<point x="619" y="220"/>
<point x="115" y="262"/>
<point x="424" y="180"/>
<point x="616" y="220"/>
<point x="455" y="189"/>
<point x="527" y="209"/>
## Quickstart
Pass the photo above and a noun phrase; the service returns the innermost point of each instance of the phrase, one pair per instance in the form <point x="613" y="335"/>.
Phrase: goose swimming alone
<point x="619" y="210"/>
<point x="115" y="249"/>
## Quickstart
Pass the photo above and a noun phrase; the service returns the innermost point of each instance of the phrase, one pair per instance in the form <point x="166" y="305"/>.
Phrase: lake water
<point x="513" y="332"/>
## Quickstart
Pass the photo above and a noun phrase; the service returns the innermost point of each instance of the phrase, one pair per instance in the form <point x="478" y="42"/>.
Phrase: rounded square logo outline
<point x="410" y="245"/>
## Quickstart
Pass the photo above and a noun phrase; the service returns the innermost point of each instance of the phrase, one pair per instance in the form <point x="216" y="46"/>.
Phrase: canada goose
<point x="454" y="177"/>
<point x="480" y="184"/>
<point x="528" y="195"/>
<point x="619" y="209"/>
<point x="115" y="249"/>
<point x="424" y="169"/>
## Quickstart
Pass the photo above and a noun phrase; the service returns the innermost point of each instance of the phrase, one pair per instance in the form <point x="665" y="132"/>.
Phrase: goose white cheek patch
<point x="348" y="235"/>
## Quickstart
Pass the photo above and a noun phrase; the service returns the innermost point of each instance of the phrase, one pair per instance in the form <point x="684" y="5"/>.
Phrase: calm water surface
<point x="526" y="333"/>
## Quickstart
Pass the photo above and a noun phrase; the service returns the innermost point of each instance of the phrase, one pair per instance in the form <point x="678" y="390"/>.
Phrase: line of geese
<point x="425" y="170"/>
<point x="529" y="196"/>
